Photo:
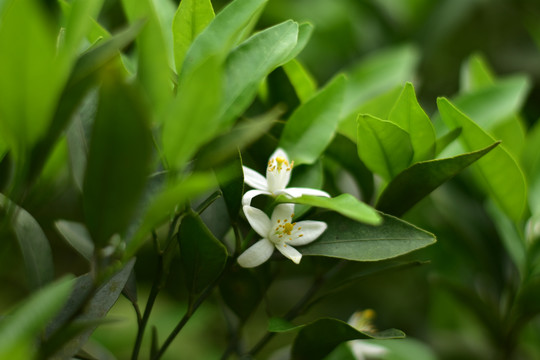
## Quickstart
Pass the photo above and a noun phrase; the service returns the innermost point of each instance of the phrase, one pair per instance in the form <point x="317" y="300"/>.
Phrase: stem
<point x="157" y="284"/>
<point x="192" y="307"/>
<point x="300" y="306"/>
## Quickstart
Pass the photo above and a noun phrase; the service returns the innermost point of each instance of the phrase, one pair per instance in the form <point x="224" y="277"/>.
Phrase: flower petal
<point x="279" y="153"/>
<point x="258" y="220"/>
<point x="310" y="231"/>
<point x="297" y="192"/>
<point x="256" y="254"/>
<point x="289" y="252"/>
<point x="254" y="179"/>
<point x="360" y="348"/>
<point x="246" y="199"/>
<point x="282" y="212"/>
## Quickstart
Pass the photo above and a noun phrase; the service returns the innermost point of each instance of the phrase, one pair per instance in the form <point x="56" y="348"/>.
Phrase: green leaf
<point x="32" y="75"/>
<point x="383" y="146"/>
<point x="189" y="21"/>
<point x="165" y="202"/>
<point x="498" y="172"/>
<point x="77" y="236"/>
<point x="118" y="161"/>
<point x="302" y="81"/>
<point x="26" y="322"/>
<point x="35" y="248"/>
<point x="89" y="311"/>
<point x="418" y="181"/>
<point x="490" y="105"/>
<point x="476" y="74"/>
<point x="222" y="33"/>
<point x="251" y="62"/>
<point x="203" y="256"/>
<point x="351" y="240"/>
<point x="345" y="204"/>
<point x="408" y="114"/>
<point x="154" y="70"/>
<point x="193" y="118"/>
<point x="281" y="325"/>
<point x="318" y="339"/>
<point x="242" y="291"/>
<point x="531" y="166"/>
<point x="312" y="126"/>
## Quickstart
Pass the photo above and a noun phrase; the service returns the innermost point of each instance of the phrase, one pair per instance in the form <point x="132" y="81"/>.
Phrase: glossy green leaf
<point x="498" y="172"/>
<point x="165" y="202"/>
<point x="77" y="236"/>
<point x="383" y="146"/>
<point x="221" y="34"/>
<point x="476" y="74"/>
<point x="88" y="313"/>
<point x="418" y="181"/>
<point x="203" y="256"/>
<point x="242" y="291"/>
<point x="34" y="245"/>
<point x="192" y="120"/>
<point x="318" y="339"/>
<point x="352" y="240"/>
<point x="119" y="160"/>
<point x="302" y="81"/>
<point x="27" y="321"/>
<point x="312" y="126"/>
<point x="345" y="204"/>
<point x="153" y="70"/>
<point x="32" y="76"/>
<point x="409" y="115"/>
<point x="189" y="21"/>
<point x="251" y="62"/>
<point x="531" y="166"/>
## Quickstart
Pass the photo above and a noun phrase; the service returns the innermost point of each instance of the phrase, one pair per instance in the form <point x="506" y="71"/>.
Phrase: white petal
<point x="297" y="192"/>
<point x="279" y="153"/>
<point x="254" y="179"/>
<point x="258" y="220"/>
<point x="310" y="230"/>
<point x="256" y="254"/>
<point x="361" y="348"/>
<point x="246" y="199"/>
<point x="282" y="212"/>
<point x="289" y="252"/>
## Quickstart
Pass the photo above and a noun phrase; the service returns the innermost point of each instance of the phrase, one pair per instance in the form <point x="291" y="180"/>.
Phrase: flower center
<point x="283" y="230"/>
<point x="279" y="163"/>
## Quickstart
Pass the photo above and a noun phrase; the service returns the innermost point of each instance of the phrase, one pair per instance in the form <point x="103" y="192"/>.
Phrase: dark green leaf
<point x="408" y="114"/>
<point x="318" y="339"/>
<point x="77" y="236"/>
<point x="241" y="291"/>
<point x="35" y="248"/>
<point x="383" y="146"/>
<point x="418" y="181"/>
<point x="118" y="161"/>
<point x="351" y="240"/>
<point x="189" y="21"/>
<point x="498" y="172"/>
<point x="312" y="125"/>
<point x="203" y="256"/>
<point x="345" y="204"/>
<point x="281" y="325"/>
<point x="233" y="189"/>
<point x="531" y="166"/>
<point x="25" y="323"/>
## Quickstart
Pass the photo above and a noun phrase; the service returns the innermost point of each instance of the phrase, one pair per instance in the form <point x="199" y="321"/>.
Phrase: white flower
<point x="278" y="174"/>
<point x="363" y="321"/>
<point x="279" y="232"/>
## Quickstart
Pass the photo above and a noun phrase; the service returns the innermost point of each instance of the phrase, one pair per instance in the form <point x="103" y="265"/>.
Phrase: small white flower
<point x="279" y="232"/>
<point x="278" y="174"/>
<point x="363" y="321"/>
